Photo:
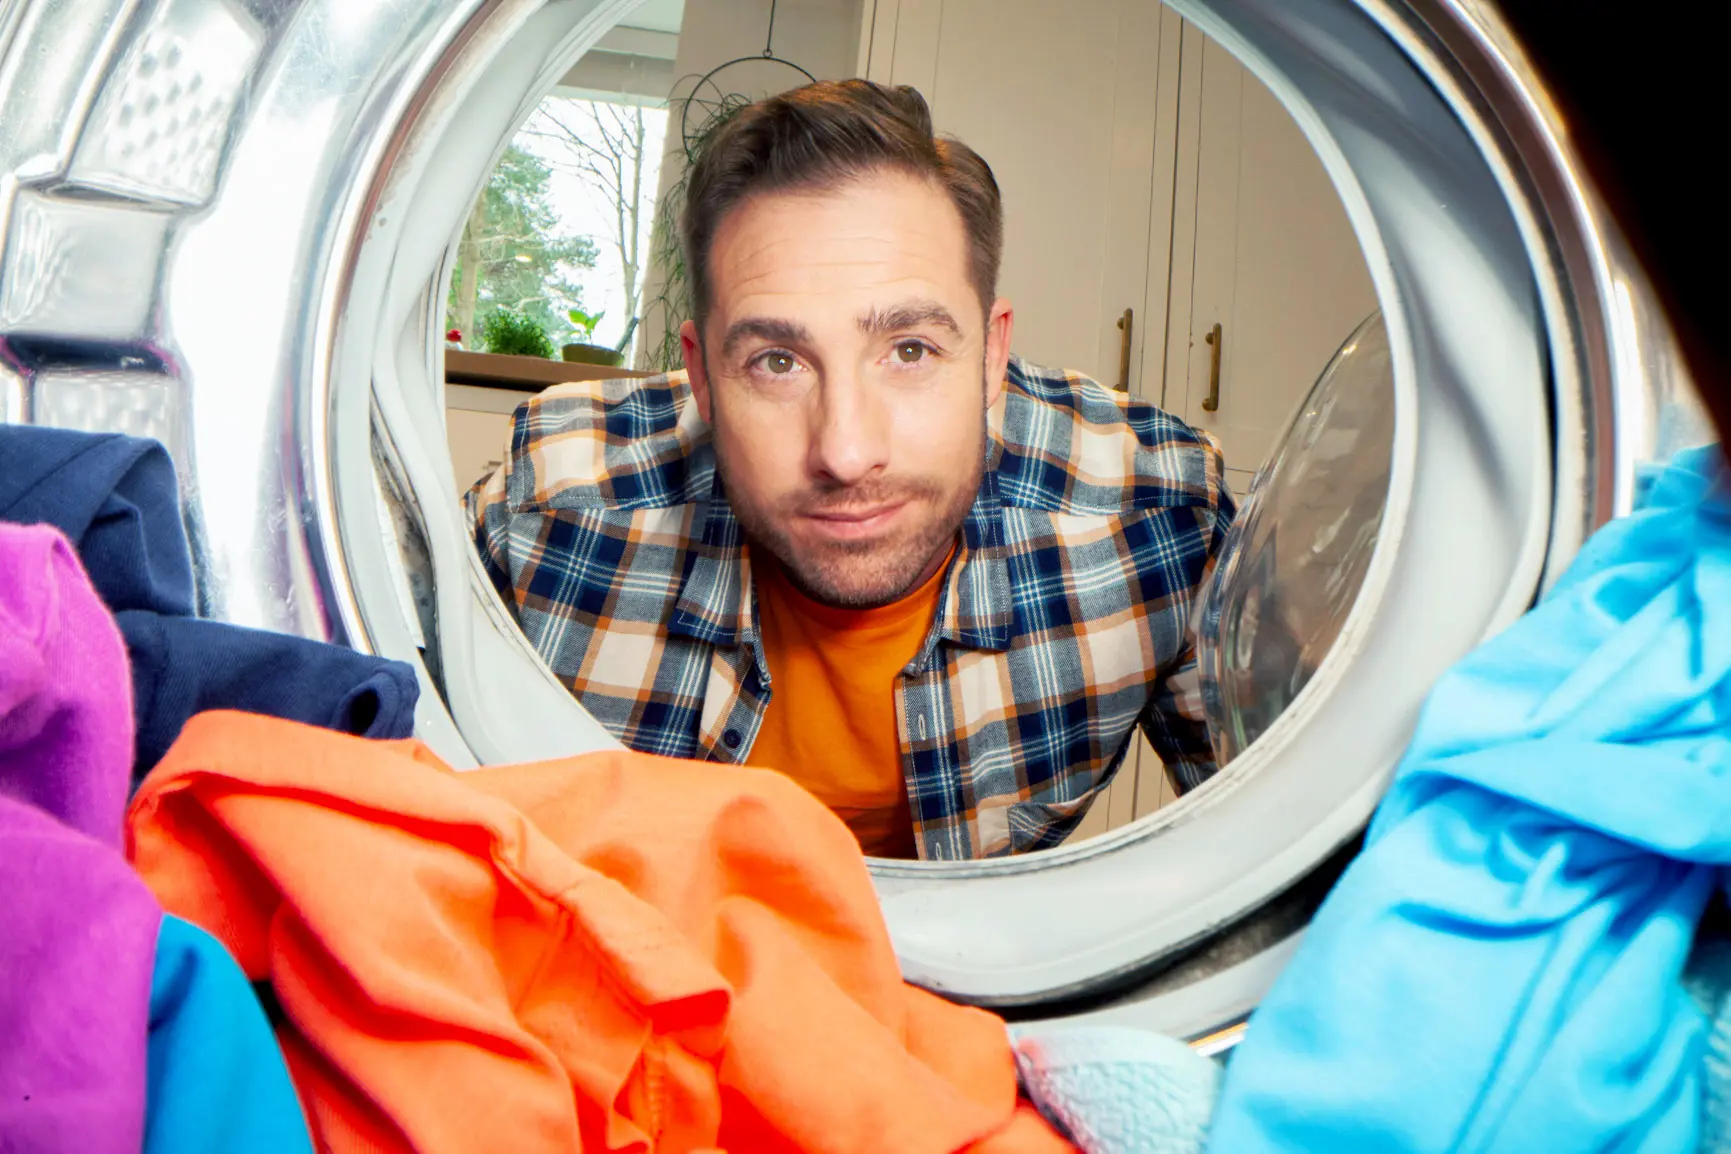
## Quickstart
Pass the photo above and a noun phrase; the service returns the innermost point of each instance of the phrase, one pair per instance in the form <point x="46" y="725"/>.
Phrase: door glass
<point x="1293" y="561"/>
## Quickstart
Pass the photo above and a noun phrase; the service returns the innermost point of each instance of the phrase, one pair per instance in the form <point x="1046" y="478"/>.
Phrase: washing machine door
<point x="227" y="225"/>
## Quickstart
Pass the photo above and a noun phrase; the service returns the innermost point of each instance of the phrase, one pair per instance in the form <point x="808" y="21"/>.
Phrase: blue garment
<point x="117" y="498"/>
<point x="1113" y="1090"/>
<point x="182" y="666"/>
<point x="1500" y="968"/>
<point x="216" y="1079"/>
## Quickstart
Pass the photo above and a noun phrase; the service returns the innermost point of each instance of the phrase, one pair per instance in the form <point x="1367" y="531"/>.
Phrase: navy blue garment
<point x="175" y="664"/>
<point x="115" y="498"/>
<point x="215" y="1079"/>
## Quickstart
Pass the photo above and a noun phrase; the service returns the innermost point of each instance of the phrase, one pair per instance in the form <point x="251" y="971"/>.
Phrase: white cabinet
<point x="1142" y="168"/>
<point x="1269" y="258"/>
<point x="1062" y="108"/>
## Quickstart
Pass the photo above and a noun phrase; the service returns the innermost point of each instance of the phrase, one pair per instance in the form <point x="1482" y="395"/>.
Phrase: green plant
<point x="513" y="334"/>
<point x="583" y="324"/>
<point x="514" y="254"/>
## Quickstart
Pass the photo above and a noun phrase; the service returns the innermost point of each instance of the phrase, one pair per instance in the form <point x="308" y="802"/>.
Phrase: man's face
<point x="846" y="367"/>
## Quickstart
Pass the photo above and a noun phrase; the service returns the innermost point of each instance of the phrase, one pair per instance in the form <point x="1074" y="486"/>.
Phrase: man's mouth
<point x="853" y="522"/>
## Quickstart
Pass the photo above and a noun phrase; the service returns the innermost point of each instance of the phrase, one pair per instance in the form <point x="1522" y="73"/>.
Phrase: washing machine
<point x="227" y="224"/>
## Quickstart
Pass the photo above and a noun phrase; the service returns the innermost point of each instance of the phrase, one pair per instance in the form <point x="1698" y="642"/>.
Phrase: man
<point x="858" y="541"/>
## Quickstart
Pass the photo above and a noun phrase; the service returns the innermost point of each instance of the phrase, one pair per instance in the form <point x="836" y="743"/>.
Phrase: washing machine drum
<point x="227" y="224"/>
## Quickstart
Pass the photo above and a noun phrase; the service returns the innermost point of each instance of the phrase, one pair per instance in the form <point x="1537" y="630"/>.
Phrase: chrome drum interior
<point x="228" y="224"/>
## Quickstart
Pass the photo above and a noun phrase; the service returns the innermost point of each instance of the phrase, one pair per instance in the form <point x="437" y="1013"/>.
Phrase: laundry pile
<point x="120" y="1027"/>
<point x="244" y="909"/>
<point x="304" y="930"/>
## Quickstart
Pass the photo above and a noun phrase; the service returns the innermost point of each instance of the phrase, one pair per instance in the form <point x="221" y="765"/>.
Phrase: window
<point x="561" y="234"/>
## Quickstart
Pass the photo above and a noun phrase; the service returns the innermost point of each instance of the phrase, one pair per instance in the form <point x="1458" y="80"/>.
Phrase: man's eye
<point x="778" y="363"/>
<point x="910" y="352"/>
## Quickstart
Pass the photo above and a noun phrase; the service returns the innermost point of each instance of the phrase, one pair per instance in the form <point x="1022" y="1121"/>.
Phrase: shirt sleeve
<point x="487" y="510"/>
<point x="1177" y="728"/>
<point x="1175" y="722"/>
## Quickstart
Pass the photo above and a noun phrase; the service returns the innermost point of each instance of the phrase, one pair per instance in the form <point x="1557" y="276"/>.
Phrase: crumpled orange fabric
<point x="609" y="952"/>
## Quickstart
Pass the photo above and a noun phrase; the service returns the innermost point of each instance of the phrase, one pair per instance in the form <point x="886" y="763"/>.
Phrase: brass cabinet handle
<point x="1215" y="342"/>
<point x="1125" y="323"/>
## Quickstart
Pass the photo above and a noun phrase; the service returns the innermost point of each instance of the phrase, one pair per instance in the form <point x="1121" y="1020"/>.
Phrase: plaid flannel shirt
<point x="1063" y="622"/>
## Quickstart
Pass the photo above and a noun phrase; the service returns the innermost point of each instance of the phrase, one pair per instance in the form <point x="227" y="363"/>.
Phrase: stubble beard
<point x="859" y="574"/>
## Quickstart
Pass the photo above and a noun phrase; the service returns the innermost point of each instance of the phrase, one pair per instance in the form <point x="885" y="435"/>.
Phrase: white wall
<point x="821" y="36"/>
<point x="630" y="63"/>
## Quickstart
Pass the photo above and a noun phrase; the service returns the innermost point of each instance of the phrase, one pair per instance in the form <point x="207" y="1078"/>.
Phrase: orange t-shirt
<point x="831" y="724"/>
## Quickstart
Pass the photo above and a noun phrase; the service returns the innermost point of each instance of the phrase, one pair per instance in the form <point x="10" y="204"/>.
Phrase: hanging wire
<point x="722" y="100"/>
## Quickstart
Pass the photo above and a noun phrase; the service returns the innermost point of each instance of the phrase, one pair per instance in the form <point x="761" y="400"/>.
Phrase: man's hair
<point x="815" y="138"/>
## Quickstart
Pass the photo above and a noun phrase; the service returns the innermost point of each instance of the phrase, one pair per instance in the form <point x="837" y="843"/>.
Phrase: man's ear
<point x="999" y="323"/>
<point x="691" y="349"/>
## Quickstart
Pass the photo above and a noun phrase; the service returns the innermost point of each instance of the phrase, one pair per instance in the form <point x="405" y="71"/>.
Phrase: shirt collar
<point x="977" y="608"/>
<point x="712" y="605"/>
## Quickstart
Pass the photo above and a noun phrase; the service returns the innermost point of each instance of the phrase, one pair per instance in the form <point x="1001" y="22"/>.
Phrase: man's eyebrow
<point x="764" y="328"/>
<point x="908" y="316"/>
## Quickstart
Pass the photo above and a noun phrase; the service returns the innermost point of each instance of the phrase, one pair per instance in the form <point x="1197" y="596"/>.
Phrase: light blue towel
<point x="1500" y="968"/>
<point x="1118" y="1091"/>
<point x="216" y="1079"/>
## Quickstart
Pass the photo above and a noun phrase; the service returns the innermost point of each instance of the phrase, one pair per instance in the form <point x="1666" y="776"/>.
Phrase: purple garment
<point x="65" y="692"/>
<point x="78" y="928"/>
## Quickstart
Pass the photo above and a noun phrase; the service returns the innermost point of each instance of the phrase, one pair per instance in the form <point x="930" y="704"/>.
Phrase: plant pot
<point x="593" y="355"/>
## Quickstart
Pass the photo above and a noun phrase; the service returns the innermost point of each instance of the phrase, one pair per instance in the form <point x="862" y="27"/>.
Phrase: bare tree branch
<point x="606" y="146"/>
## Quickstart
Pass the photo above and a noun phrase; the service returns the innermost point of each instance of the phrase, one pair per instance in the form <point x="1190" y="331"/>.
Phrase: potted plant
<point x="582" y="352"/>
<point x="511" y="333"/>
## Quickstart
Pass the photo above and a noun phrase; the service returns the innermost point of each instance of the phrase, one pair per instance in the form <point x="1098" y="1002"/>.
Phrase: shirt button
<point x="731" y="739"/>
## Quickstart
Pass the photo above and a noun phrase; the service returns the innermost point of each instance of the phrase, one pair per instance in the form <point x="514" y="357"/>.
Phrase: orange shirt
<point x="612" y="952"/>
<point x="831" y="724"/>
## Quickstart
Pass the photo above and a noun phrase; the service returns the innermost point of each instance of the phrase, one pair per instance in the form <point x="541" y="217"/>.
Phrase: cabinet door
<point x="1272" y="260"/>
<point x="1061" y="101"/>
<point x="1261" y="246"/>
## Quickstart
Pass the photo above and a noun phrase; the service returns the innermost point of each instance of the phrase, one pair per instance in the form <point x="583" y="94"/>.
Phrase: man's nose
<point x="852" y="438"/>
